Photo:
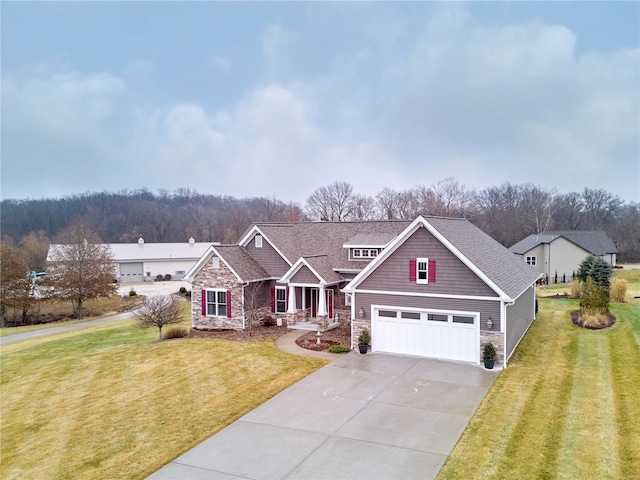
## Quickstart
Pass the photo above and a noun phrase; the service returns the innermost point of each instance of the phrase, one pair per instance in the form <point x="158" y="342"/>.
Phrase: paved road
<point x="17" y="337"/>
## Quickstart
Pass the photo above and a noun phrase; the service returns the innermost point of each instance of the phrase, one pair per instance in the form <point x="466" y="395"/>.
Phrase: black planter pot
<point x="489" y="363"/>
<point x="363" y="348"/>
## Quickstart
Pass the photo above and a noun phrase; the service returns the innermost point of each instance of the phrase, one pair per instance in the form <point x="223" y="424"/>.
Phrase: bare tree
<point x="33" y="250"/>
<point x="538" y="207"/>
<point x="81" y="267"/>
<point x="334" y="203"/>
<point x="364" y="207"/>
<point x="255" y="304"/>
<point x="600" y="207"/>
<point x="158" y="311"/>
<point x="16" y="288"/>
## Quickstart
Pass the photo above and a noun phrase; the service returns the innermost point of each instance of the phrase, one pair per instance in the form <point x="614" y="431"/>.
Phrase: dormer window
<point x="364" y="253"/>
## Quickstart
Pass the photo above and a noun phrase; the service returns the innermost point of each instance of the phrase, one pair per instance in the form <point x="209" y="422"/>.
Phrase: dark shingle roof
<point x="305" y="239"/>
<point x="324" y="268"/>
<point x="242" y="263"/>
<point x="593" y="241"/>
<point x="506" y="270"/>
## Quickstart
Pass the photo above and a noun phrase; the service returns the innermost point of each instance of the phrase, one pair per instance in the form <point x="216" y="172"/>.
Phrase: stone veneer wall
<point x="343" y="316"/>
<point x="357" y="325"/>
<point x="218" y="278"/>
<point x="497" y="338"/>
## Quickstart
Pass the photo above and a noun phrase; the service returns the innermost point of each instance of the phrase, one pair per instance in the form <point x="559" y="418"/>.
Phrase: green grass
<point x="108" y="402"/>
<point x="566" y="407"/>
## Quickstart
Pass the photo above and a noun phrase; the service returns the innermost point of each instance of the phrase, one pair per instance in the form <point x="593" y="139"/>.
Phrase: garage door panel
<point x="452" y="336"/>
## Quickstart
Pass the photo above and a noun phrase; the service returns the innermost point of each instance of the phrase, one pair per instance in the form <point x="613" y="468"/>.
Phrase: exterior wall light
<point x="361" y="312"/>
<point x="489" y="323"/>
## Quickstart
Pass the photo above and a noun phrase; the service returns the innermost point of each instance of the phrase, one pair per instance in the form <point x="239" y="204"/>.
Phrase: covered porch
<point x="311" y="307"/>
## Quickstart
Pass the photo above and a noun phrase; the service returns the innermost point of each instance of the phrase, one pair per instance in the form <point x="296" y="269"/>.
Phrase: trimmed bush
<point x="175" y="332"/>
<point x="183" y="291"/>
<point x="364" y="338"/>
<point x="594" y="299"/>
<point x="132" y="293"/>
<point x="618" y="289"/>
<point x="339" y="349"/>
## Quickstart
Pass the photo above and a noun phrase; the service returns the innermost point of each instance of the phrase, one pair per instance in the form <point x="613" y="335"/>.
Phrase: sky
<point x="279" y="98"/>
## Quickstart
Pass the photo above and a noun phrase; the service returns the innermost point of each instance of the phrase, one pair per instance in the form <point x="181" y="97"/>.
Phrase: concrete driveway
<point x="371" y="416"/>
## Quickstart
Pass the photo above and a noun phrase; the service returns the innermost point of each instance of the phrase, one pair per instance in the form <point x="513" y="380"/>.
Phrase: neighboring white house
<point x="138" y="262"/>
<point x="558" y="254"/>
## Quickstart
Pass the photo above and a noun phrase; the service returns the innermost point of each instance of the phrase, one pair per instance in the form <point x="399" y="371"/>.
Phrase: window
<point x="179" y="272"/>
<point x="215" y="262"/>
<point x="217" y="303"/>
<point x="422" y="270"/>
<point x="357" y="253"/>
<point x="531" y="261"/>
<point x="410" y="315"/>
<point x="387" y="313"/>
<point x="281" y="299"/>
<point x="437" y="317"/>
<point x="361" y="253"/>
<point x="463" y="319"/>
<point x="347" y="299"/>
<point x="258" y="241"/>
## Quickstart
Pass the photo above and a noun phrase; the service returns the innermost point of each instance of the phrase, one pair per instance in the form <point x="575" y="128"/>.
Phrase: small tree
<point x="16" y="288"/>
<point x="596" y="268"/>
<point x="81" y="267"/>
<point x="158" y="311"/>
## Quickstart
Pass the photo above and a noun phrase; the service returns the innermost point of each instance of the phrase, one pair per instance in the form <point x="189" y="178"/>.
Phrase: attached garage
<point x="449" y="335"/>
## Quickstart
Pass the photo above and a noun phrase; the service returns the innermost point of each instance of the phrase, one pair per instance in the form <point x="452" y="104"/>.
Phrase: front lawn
<point x="106" y="402"/>
<point x="568" y="405"/>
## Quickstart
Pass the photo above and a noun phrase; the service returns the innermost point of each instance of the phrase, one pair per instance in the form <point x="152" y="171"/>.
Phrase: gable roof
<point x="307" y="239"/>
<point x="237" y="259"/>
<point x="502" y="271"/>
<point x="132" y="252"/>
<point x="320" y="267"/>
<point x="596" y="242"/>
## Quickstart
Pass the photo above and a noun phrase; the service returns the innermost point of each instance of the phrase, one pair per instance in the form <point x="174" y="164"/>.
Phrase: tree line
<point x="508" y="213"/>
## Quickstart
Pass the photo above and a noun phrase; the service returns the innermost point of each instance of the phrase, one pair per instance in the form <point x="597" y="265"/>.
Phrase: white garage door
<point x="426" y="333"/>
<point x="131" y="272"/>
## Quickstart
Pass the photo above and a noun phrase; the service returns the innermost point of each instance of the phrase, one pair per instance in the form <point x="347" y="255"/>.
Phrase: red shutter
<point x="229" y="303"/>
<point x="432" y="271"/>
<point x="204" y="303"/>
<point x="273" y="299"/>
<point x="412" y="270"/>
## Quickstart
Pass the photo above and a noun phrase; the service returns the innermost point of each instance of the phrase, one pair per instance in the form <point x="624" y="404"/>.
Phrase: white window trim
<point x="284" y="289"/>
<point x="426" y="270"/>
<point x="363" y="253"/>
<point x="216" y="290"/>
<point x="258" y="241"/>
<point x="347" y="299"/>
<point x="215" y="262"/>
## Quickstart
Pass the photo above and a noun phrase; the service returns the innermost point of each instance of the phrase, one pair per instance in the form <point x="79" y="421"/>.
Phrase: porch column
<point x="322" y="302"/>
<point x="291" y="304"/>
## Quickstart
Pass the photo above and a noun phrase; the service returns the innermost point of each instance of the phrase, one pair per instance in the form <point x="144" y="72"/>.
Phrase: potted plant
<point x="363" y="341"/>
<point x="489" y="355"/>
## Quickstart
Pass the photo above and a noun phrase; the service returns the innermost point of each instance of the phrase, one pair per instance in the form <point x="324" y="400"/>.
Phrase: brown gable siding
<point x="519" y="318"/>
<point x="304" y="275"/>
<point x="452" y="276"/>
<point x="266" y="256"/>
<point x="487" y="308"/>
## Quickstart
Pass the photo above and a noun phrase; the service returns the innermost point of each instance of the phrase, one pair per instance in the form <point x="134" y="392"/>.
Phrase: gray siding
<point x="304" y="275"/>
<point x="487" y="308"/>
<point x="452" y="276"/>
<point x="266" y="256"/>
<point x="519" y="318"/>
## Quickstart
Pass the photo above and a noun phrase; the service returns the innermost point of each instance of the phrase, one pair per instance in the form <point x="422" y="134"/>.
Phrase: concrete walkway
<point x="287" y="343"/>
<point x="371" y="416"/>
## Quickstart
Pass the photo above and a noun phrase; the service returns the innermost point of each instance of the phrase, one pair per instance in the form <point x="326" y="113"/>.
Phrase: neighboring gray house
<point x="557" y="254"/>
<point x="433" y="287"/>
<point x="143" y="262"/>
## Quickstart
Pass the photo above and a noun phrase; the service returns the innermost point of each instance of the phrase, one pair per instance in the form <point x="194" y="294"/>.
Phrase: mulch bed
<point x="577" y="320"/>
<point x="337" y="336"/>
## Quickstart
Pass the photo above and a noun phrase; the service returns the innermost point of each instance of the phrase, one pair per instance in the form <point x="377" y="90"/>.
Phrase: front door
<point x="314" y="298"/>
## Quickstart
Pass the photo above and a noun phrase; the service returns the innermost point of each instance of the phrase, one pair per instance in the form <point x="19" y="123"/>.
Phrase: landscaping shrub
<point x="132" y="293"/>
<point x="269" y="321"/>
<point x="167" y="277"/>
<point x="576" y="288"/>
<point x="594" y="298"/>
<point x="176" y="332"/>
<point x="596" y="268"/>
<point x="339" y="349"/>
<point x="183" y="291"/>
<point x="597" y="320"/>
<point x="618" y="289"/>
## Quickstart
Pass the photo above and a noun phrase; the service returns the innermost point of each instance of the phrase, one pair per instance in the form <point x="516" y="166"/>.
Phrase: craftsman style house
<point x="557" y="255"/>
<point x="433" y="287"/>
